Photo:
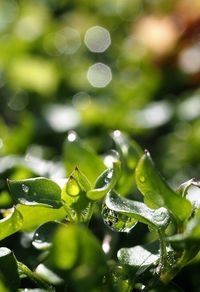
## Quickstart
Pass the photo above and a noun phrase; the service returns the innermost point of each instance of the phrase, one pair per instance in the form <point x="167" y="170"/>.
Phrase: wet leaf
<point x="76" y="202"/>
<point x="156" y="191"/>
<point x="133" y="211"/>
<point x="34" y="216"/>
<point x="11" y="224"/>
<point x="76" y="153"/>
<point x="9" y="270"/>
<point x="129" y="152"/>
<point x="105" y="182"/>
<point x="36" y="191"/>
<point x="140" y="257"/>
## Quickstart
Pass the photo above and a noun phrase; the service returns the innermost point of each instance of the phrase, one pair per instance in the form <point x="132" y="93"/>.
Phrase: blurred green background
<point x="94" y="67"/>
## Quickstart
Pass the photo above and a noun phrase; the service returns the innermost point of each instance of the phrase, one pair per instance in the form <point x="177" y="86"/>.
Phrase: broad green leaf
<point x="11" y="223"/>
<point x="122" y="211"/>
<point x="76" y="250"/>
<point x="140" y="257"/>
<point x="36" y="191"/>
<point x="130" y="152"/>
<point x="33" y="216"/>
<point x="8" y="269"/>
<point x="43" y="235"/>
<point x="156" y="191"/>
<point x="78" y="154"/>
<point x="105" y="182"/>
<point x="76" y="202"/>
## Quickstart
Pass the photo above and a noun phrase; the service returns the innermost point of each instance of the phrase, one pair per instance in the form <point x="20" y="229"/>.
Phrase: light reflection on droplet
<point x="67" y="41"/>
<point x="106" y="243"/>
<point x="81" y="100"/>
<point x="189" y="59"/>
<point x="25" y="188"/>
<point x="29" y="28"/>
<point x="99" y="75"/>
<point x="61" y="117"/>
<point x="154" y="115"/>
<point x="117" y="133"/>
<point x="189" y="109"/>
<point x="72" y="136"/>
<point x="97" y="39"/>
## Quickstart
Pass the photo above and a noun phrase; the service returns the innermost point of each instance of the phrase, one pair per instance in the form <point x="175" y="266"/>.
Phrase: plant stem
<point x="67" y="211"/>
<point x="34" y="277"/>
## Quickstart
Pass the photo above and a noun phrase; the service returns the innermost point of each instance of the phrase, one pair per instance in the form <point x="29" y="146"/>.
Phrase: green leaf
<point x="105" y="182"/>
<point x="81" y="179"/>
<point x="78" y="154"/>
<point x="76" y="202"/>
<point x="121" y="211"/>
<point x="11" y="224"/>
<point x="36" y="191"/>
<point x="128" y="149"/>
<point x="76" y="250"/>
<point x="156" y="191"/>
<point x="140" y="257"/>
<point x="33" y="216"/>
<point x="9" y="269"/>
<point x="42" y="237"/>
<point x="130" y="152"/>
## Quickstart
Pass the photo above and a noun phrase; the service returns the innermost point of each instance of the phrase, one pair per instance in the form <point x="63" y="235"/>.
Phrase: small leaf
<point x="128" y="149"/>
<point x="105" y="182"/>
<point x="42" y="237"/>
<point x="76" y="202"/>
<point x="139" y="257"/>
<point x="36" y="191"/>
<point x="33" y="216"/>
<point x="9" y="270"/>
<point x="156" y="192"/>
<point x="11" y="224"/>
<point x="81" y="179"/>
<point x="78" y="153"/>
<point x="129" y="152"/>
<point x="137" y="211"/>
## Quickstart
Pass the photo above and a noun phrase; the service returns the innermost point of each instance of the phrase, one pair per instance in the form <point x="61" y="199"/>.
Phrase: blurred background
<point x="94" y="67"/>
<point x="97" y="66"/>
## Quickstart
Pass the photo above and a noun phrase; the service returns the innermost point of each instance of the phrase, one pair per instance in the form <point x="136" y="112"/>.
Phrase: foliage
<point x="71" y="257"/>
<point x="80" y="82"/>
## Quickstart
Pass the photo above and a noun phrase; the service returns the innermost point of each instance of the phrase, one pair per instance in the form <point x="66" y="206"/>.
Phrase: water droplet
<point x="142" y="179"/>
<point x="72" y="187"/>
<point x="72" y="136"/>
<point x="25" y="188"/>
<point x="116" y="221"/>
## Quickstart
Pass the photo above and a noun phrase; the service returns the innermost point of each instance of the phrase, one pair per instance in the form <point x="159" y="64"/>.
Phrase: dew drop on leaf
<point x="116" y="221"/>
<point x="25" y="188"/>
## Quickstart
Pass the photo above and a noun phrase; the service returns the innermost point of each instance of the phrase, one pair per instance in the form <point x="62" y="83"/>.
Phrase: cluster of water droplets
<point x="116" y="221"/>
